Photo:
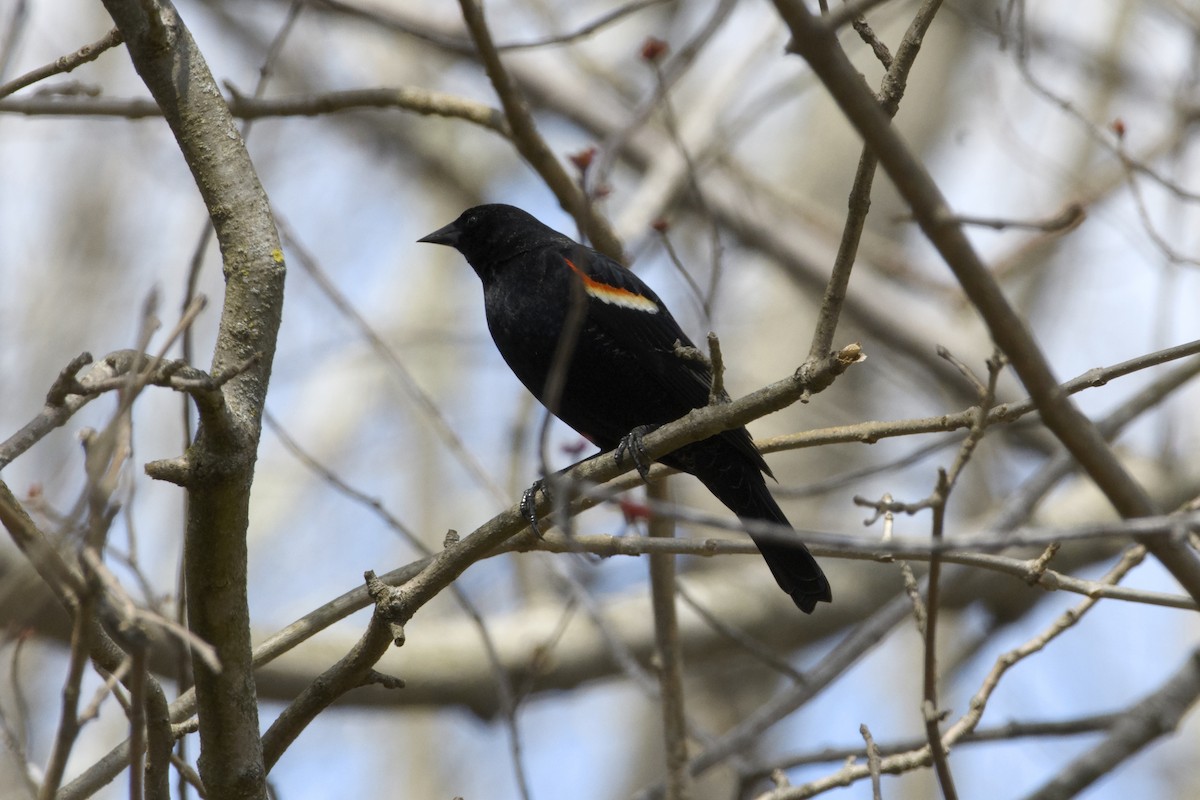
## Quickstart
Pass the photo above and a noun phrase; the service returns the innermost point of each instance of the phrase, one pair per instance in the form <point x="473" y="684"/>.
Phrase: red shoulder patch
<point x="613" y="295"/>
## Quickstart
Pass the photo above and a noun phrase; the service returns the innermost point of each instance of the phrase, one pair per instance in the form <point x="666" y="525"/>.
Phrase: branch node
<point x="1037" y="568"/>
<point x="963" y="369"/>
<point x="816" y="375"/>
<point x="716" y="392"/>
<point x="688" y="353"/>
<point x="714" y="362"/>
<point x="66" y="383"/>
<point x="391" y="606"/>
<point x="172" y="470"/>
<point x="932" y="714"/>
<point x="379" y="679"/>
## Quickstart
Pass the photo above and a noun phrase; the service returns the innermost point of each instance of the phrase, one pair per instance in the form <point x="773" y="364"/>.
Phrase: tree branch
<point x="859" y="202"/>
<point x="816" y="42"/>
<point x="529" y="142"/>
<point x="669" y="653"/>
<point x="1147" y="720"/>
<point x="65" y="64"/>
<point x="219" y="466"/>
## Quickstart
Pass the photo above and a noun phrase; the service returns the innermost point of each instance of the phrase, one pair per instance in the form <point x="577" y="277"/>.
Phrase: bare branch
<point x="221" y="460"/>
<point x="670" y="654"/>
<point x="1009" y="331"/>
<point x="1068" y="219"/>
<point x="584" y="31"/>
<point x="1147" y="720"/>
<point x="83" y="55"/>
<point x="529" y="142"/>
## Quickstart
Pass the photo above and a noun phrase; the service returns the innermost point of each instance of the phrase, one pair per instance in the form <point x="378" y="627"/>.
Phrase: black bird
<point x="624" y="373"/>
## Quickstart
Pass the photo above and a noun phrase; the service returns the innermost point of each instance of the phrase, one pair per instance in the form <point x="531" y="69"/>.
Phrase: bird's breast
<point x="526" y="322"/>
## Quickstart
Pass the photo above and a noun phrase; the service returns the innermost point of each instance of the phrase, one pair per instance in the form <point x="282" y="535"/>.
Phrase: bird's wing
<point x="628" y="312"/>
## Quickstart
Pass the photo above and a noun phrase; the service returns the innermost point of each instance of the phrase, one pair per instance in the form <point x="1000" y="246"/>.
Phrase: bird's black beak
<point x="448" y="235"/>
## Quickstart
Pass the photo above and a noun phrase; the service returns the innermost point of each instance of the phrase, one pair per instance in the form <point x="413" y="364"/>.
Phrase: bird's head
<point x="490" y="235"/>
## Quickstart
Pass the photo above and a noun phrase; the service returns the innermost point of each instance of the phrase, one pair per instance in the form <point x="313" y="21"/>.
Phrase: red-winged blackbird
<point x="624" y="372"/>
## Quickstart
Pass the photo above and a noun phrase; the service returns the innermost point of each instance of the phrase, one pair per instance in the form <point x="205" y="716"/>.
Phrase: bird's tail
<point x="741" y="487"/>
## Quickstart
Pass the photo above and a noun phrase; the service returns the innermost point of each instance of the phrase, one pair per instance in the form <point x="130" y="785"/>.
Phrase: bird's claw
<point x="631" y="444"/>
<point x="528" y="505"/>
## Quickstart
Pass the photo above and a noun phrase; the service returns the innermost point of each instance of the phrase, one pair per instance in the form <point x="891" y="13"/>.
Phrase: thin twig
<point x="1131" y="558"/>
<point x="617" y="139"/>
<point x="1097" y="133"/>
<point x="83" y="55"/>
<point x="999" y="733"/>
<point x="852" y="10"/>
<point x="388" y="354"/>
<point x="584" y="31"/>
<point x="413" y="99"/>
<point x="529" y="142"/>
<point x="669" y="652"/>
<point x="859" y="202"/>
<point x="68" y="722"/>
<point x="946" y="484"/>
<point x="929" y="706"/>
<point x="671" y="123"/>
<point x="1066" y="220"/>
<point x="872" y="761"/>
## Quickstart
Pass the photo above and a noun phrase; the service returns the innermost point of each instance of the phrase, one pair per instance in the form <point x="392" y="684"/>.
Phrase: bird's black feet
<point x="631" y="444"/>
<point x="528" y="504"/>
